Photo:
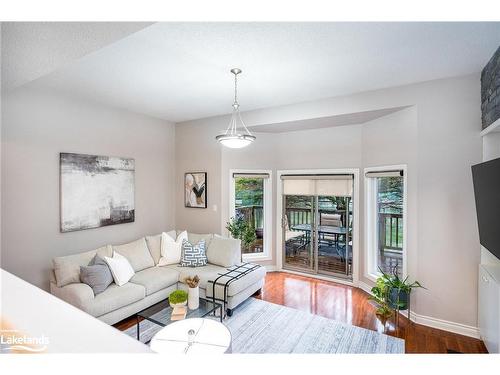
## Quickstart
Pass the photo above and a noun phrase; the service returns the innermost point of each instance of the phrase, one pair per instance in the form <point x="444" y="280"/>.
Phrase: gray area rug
<point x="261" y="327"/>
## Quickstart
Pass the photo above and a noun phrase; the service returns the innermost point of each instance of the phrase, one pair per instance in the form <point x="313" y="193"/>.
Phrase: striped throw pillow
<point x="193" y="255"/>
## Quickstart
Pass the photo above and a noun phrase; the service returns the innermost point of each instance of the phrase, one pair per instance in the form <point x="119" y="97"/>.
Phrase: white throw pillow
<point x="171" y="249"/>
<point x="120" y="268"/>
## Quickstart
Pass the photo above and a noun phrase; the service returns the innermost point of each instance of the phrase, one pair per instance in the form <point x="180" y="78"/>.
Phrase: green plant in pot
<point x="392" y="293"/>
<point x="178" y="298"/>
<point x="242" y="230"/>
<point x="400" y="289"/>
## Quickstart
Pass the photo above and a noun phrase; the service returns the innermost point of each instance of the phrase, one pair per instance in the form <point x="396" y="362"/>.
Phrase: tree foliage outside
<point x="249" y="191"/>
<point x="390" y="195"/>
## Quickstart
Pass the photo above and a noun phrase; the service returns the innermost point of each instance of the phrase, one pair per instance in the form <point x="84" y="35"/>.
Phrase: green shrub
<point x="178" y="296"/>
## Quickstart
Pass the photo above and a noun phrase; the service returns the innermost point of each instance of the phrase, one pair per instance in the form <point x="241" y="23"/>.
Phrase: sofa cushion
<point x="193" y="255"/>
<point x="155" y="278"/>
<point x="194" y="238"/>
<point x="67" y="268"/>
<point x="120" y="268"/>
<point x="137" y="253"/>
<point x="154" y="244"/>
<point x="224" y="252"/>
<point x="97" y="275"/>
<point x="113" y="298"/>
<point x="171" y="248"/>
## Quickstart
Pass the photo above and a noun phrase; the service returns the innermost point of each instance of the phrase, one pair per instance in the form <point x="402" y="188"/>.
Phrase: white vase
<point x="194" y="298"/>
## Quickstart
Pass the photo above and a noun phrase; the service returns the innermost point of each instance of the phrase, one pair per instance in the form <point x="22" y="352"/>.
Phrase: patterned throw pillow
<point x="193" y="255"/>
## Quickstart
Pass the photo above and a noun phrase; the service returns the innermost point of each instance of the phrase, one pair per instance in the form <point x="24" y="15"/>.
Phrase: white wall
<point x="38" y="124"/>
<point x="437" y="137"/>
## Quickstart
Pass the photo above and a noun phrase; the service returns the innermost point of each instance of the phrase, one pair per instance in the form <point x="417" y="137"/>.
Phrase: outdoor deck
<point x="331" y="253"/>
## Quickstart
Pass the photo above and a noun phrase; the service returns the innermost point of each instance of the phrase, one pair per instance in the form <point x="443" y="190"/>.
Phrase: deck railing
<point x="252" y="214"/>
<point x="390" y="224"/>
<point x="390" y="231"/>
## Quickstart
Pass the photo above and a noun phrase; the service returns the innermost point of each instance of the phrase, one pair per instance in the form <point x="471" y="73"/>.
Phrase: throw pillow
<point x="97" y="275"/>
<point x="171" y="248"/>
<point x="193" y="255"/>
<point x="120" y="268"/>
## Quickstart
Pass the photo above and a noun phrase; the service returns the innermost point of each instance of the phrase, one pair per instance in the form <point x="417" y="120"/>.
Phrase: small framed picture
<point x="195" y="189"/>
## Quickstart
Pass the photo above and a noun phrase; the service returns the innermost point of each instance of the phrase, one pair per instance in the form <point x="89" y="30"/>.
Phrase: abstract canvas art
<point x="195" y="190"/>
<point x="95" y="191"/>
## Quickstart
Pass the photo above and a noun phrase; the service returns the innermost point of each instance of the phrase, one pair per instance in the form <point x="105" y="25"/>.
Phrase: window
<point x="385" y="220"/>
<point x="251" y="203"/>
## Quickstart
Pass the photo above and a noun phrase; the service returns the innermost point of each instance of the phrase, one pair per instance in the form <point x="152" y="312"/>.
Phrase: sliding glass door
<point x="317" y="224"/>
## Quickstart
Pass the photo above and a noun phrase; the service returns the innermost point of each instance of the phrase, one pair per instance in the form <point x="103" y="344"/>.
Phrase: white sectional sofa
<point x="152" y="283"/>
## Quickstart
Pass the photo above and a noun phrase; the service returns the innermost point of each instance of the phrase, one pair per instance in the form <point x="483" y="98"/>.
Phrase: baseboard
<point x="271" y="268"/>
<point x="429" y="321"/>
<point x="445" y="325"/>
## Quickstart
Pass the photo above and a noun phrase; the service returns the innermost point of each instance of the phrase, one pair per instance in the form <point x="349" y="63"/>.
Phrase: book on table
<point x="179" y="313"/>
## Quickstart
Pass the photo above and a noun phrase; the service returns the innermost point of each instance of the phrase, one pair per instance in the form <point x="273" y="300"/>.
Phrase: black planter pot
<point x="403" y="299"/>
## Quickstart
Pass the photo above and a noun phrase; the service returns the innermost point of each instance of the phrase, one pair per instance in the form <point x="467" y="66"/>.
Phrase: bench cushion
<point x="210" y="272"/>
<point x="155" y="278"/>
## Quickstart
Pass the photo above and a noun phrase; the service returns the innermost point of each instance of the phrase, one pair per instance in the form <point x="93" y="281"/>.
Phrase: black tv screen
<point x="486" y="178"/>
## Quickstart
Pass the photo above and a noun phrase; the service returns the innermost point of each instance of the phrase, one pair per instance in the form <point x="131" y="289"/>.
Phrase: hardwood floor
<point x="351" y="305"/>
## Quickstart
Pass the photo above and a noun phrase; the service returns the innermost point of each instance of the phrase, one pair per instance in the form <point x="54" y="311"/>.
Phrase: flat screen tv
<point x="486" y="178"/>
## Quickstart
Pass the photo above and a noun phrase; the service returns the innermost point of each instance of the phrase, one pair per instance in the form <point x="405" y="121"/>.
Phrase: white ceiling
<point x="180" y="71"/>
<point x="354" y="118"/>
<point x="33" y="49"/>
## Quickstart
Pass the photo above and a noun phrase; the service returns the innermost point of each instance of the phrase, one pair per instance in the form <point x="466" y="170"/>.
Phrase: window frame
<point x="267" y="212"/>
<point x="371" y="226"/>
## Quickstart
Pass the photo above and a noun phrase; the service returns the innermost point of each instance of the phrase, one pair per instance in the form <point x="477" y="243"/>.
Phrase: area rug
<point x="261" y="327"/>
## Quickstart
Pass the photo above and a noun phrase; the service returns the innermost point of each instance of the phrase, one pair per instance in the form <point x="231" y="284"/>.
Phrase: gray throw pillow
<point x="97" y="275"/>
<point x="193" y="255"/>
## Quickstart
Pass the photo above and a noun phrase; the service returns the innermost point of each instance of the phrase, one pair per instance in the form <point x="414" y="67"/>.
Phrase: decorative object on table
<point x="193" y="292"/>
<point x="392" y="294"/>
<point x="178" y="298"/>
<point x="193" y="255"/>
<point x="192" y="336"/>
<point x="237" y="135"/>
<point x="178" y="313"/>
<point x="95" y="191"/>
<point x="195" y="189"/>
<point x="242" y="230"/>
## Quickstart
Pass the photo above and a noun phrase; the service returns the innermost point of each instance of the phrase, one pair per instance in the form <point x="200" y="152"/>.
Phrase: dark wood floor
<point x="351" y="305"/>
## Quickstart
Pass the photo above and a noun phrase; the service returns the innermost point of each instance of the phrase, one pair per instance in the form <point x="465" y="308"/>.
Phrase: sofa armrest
<point x="76" y="294"/>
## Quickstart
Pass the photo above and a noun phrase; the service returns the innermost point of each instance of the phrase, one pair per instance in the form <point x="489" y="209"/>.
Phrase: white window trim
<point x="371" y="226"/>
<point x="355" y="229"/>
<point x="268" y="212"/>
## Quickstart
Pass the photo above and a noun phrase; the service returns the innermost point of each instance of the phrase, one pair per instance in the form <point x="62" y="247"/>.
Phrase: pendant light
<point x="237" y="135"/>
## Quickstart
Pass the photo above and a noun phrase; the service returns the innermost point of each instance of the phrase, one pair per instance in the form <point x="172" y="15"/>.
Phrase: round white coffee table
<point x="192" y="336"/>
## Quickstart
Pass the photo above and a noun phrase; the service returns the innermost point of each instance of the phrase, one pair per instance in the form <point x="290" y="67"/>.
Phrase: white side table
<point x="192" y="336"/>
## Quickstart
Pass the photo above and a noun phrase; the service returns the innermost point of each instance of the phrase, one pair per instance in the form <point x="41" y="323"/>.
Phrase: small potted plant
<point x="392" y="293"/>
<point x="399" y="290"/>
<point x="242" y="230"/>
<point x="193" y="292"/>
<point x="178" y="298"/>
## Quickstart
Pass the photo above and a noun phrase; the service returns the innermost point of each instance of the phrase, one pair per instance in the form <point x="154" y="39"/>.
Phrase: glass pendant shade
<point x="237" y="135"/>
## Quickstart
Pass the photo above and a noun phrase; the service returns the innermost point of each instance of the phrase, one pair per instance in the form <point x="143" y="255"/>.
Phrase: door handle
<point x="485" y="279"/>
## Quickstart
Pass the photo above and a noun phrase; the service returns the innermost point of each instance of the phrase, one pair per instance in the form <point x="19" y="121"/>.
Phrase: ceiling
<point x="33" y="49"/>
<point x="355" y="118"/>
<point x="180" y="71"/>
